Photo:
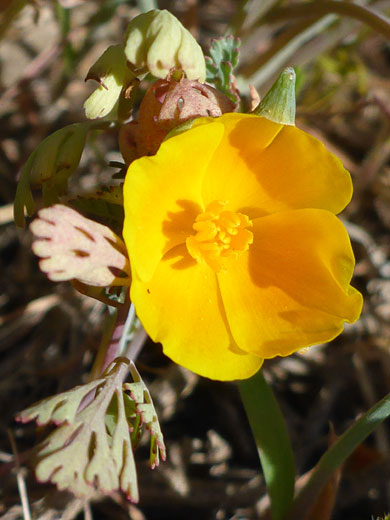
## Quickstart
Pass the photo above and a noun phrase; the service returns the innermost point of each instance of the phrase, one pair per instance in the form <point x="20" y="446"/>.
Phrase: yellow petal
<point x="261" y="168"/>
<point x="297" y="171"/>
<point x="229" y="176"/>
<point x="181" y="308"/>
<point x="162" y="196"/>
<point x="291" y="289"/>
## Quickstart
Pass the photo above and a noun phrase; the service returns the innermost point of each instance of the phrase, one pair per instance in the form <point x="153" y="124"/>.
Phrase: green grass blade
<point x="272" y="441"/>
<point x="337" y="454"/>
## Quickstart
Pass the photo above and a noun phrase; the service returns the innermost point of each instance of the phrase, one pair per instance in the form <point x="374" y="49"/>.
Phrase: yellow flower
<point x="235" y="249"/>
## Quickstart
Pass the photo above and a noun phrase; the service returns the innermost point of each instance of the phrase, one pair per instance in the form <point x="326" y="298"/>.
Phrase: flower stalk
<point x="272" y="442"/>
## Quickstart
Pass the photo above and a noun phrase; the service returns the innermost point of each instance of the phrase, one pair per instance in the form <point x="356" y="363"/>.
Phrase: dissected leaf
<point x="224" y="54"/>
<point x="74" y="247"/>
<point x="93" y="443"/>
<point x="79" y="454"/>
<point x="225" y="49"/>
<point x="59" y="408"/>
<point x="148" y="415"/>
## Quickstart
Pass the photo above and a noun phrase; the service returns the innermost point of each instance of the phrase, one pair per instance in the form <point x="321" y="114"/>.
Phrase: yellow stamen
<point x="219" y="233"/>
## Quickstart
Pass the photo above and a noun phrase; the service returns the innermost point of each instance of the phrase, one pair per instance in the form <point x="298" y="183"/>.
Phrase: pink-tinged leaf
<point x="92" y="446"/>
<point x="80" y="454"/>
<point x="74" y="247"/>
<point x="59" y="408"/>
<point x="147" y="414"/>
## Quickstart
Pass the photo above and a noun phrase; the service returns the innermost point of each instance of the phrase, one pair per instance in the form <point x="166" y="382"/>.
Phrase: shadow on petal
<point x="180" y="222"/>
<point x="179" y="258"/>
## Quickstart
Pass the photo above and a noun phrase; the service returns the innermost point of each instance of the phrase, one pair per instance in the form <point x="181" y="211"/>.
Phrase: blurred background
<point x="49" y="333"/>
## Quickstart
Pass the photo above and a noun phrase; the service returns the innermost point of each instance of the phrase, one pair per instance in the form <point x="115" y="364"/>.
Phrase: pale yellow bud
<point x="113" y="74"/>
<point x="156" y="42"/>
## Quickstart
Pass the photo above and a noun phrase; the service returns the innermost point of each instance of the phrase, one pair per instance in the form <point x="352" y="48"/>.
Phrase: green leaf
<point x="279" y="102"/>
<point x="223" y="59"/>
<point x="225" y="49"/>
<point x="337" y="454"/>
<point x="272" y="441"/>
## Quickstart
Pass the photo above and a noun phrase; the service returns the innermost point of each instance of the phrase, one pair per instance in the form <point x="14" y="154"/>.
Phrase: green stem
<point x="336" y="455"/>
<point x="365" y="15"/>
<point x="272" y="441"/>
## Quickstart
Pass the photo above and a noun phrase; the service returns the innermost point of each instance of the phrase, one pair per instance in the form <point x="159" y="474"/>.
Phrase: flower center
<point x="219" y="234"/>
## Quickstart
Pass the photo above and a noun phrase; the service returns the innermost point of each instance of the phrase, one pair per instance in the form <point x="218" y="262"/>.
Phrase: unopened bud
<point x="165" y="106"/>
<point x="157" y="42"/>
<point x="50" y="165"/>
<point x="113" y="74"/>
<point x="279" y="103"/>
<point x="59" y="153"/>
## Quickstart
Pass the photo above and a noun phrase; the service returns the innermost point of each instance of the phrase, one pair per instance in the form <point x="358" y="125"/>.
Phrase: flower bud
<point x="112" y="73"/>
<point x="59" y="153"/>
<point x="157" y="42"/>
<point x="279" y="103"/>
<point x="50" y="165"/>
<point x="166" y="105"/>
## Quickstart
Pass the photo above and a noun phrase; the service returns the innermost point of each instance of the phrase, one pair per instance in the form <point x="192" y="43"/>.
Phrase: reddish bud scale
<point x="167" y="104"/>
